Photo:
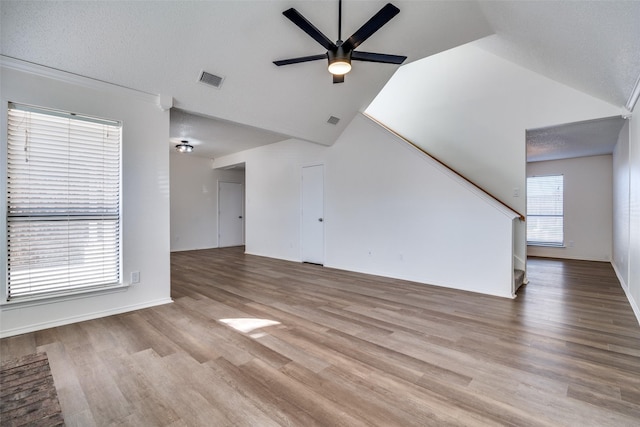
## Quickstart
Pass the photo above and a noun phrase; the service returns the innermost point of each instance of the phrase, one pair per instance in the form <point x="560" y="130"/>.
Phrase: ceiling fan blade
<point x="377" y="57"/>
<point x="383" y="16"/>
<point x="338" y="78"/>
<point x="309" y="28"/>
<point x="300" y="59"/>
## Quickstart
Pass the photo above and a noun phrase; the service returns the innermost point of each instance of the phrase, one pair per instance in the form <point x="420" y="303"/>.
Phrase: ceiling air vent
<point x="333" y="120"/>
<point x="211" y="79"/>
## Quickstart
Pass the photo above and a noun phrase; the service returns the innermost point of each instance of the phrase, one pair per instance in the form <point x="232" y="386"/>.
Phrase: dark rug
<point x="27" y="394"/>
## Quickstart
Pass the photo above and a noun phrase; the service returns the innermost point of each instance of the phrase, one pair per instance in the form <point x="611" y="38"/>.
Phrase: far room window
<point x="63" y="203"/>
<point x="545" y="210"/>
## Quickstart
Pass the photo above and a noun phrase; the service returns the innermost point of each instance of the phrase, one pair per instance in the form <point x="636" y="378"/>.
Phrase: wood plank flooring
<point x="252" y="341"/>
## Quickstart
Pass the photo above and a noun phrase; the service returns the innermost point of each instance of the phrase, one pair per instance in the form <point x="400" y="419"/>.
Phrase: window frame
<point x="531" y="217"/>
<point x="115" y="215"/>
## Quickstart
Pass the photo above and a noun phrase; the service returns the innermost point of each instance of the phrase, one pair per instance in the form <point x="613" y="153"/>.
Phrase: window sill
<point x="546" y="245"/>
<point x="54" y="299"/>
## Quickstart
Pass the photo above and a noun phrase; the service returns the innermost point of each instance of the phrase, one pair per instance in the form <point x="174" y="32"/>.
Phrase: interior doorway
<point x="230" y="214"/>
<point x="312" y="243"/>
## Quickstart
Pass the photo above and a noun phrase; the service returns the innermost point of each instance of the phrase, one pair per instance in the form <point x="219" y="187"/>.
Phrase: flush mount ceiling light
<point x="184" y="147"/>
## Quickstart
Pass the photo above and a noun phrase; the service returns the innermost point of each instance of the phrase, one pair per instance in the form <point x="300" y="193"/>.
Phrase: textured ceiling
<point x="592" y="46"/>
<point x="582" y="139"/>
<point x="213" y="138"/>
<point x="160" y="47"/>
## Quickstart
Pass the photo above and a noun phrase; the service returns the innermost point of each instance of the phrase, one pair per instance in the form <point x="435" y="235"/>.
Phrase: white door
<point x="230" y="214"/>
<point x="313" y="214"/>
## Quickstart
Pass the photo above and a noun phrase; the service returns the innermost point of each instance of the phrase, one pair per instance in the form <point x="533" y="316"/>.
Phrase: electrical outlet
<point x="135" y="277"/>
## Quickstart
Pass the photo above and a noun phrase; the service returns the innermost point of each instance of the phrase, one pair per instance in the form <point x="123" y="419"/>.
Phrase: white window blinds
<point x="545" y="210"/>
<point x="63" y="202"/>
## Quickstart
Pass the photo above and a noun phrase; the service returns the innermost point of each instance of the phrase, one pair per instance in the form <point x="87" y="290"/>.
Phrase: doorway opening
<point x="231" y="207"/>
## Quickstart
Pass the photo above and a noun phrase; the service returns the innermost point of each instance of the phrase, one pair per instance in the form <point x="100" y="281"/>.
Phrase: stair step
<point x="518" y="278"/>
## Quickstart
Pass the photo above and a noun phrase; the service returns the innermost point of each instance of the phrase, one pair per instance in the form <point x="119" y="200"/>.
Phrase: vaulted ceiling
<point x="160" y="47"/>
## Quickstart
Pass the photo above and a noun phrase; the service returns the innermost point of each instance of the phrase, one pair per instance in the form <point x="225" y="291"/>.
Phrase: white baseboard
<point x="634" y="304"/>
<point x="625" y="288"/>
<point x="74" y="319"/>
<point x="272" y="256"/>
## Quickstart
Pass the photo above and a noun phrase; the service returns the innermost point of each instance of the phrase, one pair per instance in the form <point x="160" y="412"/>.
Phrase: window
<point x="545" y="211"/>
<point x="63" y="203"/>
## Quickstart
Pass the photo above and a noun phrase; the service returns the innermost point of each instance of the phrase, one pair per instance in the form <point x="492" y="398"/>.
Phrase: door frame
<point x="244" y="219"/>
<point x="302" y="210"/>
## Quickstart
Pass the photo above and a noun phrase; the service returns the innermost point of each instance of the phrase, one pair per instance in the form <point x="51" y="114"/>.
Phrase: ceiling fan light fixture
<point x="339" y="67"/>
<point x="339" y="61"/>
<point x="184" y="147"/>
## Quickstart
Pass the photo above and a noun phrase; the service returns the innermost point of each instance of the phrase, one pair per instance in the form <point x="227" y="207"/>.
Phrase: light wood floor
<point x="334" y="348"/>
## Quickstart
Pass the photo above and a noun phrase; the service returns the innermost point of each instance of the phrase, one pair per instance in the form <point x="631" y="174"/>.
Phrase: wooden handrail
<point x="422" y="150"/>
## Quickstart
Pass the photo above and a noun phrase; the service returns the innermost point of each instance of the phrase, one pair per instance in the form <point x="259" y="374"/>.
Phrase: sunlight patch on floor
<point x="248" y="324"/>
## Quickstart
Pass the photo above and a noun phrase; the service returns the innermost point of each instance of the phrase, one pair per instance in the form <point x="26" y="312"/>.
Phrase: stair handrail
<point x="423" y="151"/>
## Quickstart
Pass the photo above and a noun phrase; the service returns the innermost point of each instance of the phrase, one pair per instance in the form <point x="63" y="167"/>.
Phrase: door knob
<point x="240" y="217"/>
<point x="320" y="219"/>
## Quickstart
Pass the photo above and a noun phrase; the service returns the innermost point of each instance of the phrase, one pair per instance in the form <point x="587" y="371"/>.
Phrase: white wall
<point x="634" y="214"/>
<point x="588" y="200"/>
<point x="393" y="212"/>
<point x="273" y="195"/>
<point x="626" y="210"/>
<point x="471" y="109"/>
<point x="145" y="192"/>
<point x="388" y="211"/>
<point x="620" y="243"/>
<point x="194" y="201"/>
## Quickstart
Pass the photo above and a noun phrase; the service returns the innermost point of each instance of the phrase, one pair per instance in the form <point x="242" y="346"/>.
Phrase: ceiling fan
<point x="341" y="52"/>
